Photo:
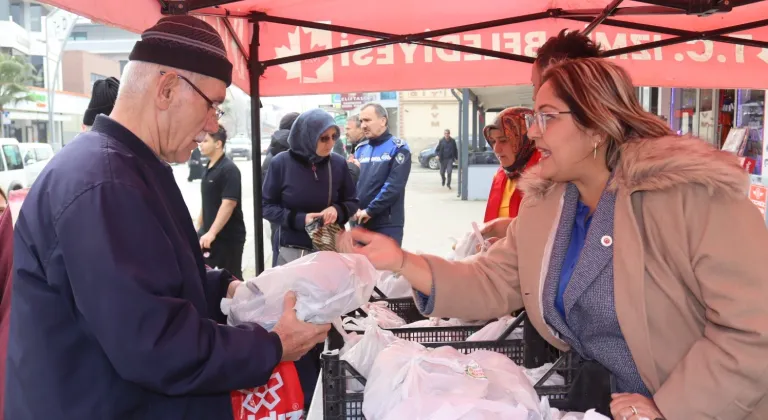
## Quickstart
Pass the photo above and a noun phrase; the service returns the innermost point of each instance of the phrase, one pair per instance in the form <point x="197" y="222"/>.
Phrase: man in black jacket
<point x="447" y="152"/>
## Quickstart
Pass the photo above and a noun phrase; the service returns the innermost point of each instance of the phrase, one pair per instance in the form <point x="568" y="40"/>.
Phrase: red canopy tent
<point x="290" y="47"/>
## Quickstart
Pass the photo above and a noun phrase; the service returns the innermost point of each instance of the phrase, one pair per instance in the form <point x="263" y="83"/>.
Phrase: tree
<point x="16" y="74"/>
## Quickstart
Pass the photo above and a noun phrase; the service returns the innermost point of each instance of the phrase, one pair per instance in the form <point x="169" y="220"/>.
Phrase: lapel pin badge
<point x="606" y="241"/>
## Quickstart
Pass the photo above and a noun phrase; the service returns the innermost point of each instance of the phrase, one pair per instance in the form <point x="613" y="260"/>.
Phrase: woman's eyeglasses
<point x="541" y="119"/>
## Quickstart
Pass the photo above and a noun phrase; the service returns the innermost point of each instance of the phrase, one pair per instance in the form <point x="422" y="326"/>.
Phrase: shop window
<point x="17" y="13"/>
<point x="78" y="36"/>
<point x="36" y="13"/>
<point x="13" y="157"/>
<point x="37" y="63"/>
<point x="684" y="111"/>
<point x="95" y="78"/>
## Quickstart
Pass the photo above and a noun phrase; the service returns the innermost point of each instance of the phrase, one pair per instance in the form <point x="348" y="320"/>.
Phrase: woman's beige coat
<point x="690" y="271"/>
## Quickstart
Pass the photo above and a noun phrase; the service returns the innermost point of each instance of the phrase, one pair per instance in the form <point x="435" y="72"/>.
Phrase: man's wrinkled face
<point x="189" y="116"/>
<point x="353" y="132"/>
<point x="373" y="125"/>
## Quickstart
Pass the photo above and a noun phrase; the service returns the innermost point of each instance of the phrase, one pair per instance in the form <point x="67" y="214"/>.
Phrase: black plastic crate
<point x="341" y="404"/>
<point x="419" y="335"/>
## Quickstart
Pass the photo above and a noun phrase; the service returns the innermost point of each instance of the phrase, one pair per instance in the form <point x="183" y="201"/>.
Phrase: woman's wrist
<point x="403" y="261"/>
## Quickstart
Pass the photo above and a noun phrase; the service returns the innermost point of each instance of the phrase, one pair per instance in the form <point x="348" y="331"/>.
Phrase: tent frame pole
<point x="255" y="71"/>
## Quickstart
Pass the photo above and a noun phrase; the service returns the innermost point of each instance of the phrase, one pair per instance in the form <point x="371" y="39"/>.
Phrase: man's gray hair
<point x="355" y="119"/>
<point x="138" y="75"/>
<point x="381" y="112"/>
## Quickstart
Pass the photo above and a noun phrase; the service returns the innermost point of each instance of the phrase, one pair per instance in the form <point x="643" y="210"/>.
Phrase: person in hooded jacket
<point x="308" y="182"/>
<point x="278" y="145"/>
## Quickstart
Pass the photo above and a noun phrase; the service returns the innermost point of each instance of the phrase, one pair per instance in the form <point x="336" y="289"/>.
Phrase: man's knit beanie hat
<point x="186" y="43"/>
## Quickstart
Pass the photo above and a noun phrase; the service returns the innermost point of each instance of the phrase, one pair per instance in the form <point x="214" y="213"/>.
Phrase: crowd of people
<point x="635" y="248"/>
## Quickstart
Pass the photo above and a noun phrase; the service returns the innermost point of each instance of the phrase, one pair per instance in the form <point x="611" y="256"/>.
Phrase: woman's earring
<point x="594" y="152"/>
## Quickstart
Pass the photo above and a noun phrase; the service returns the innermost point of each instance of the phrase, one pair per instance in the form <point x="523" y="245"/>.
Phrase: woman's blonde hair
<point x="601" y="97"/>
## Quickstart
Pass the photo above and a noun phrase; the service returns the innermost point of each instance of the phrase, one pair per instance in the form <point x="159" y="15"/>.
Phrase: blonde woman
<point x="635" y="248"/>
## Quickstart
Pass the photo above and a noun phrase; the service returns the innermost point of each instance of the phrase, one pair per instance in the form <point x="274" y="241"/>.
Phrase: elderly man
<point x="385" y="165"/>
<point x="114" y="315"/>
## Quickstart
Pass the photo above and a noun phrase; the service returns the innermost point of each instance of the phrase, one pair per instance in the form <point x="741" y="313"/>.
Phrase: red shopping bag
<point x="280" y="399"/>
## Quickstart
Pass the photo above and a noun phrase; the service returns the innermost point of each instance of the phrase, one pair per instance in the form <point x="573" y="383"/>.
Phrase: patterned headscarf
<point x="511" y="122"/>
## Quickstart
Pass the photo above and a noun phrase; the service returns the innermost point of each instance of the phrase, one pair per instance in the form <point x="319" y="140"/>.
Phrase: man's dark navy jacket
<point x="113" y="313"/>
<point x="385" y="165"/>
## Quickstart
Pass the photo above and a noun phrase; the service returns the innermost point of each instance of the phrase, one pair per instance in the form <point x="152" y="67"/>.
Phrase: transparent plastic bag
<point x="494" y="330"/>
<point x="472" y="243"/>
<point x="327" y="285"/>
<point x="362" y="354"/>
<point x="394" y="285"/>
<point x="534" y="375"/>
<point x="406" y="369"/>
<point x="378" y="313"/>
<point x="457" y="408"/>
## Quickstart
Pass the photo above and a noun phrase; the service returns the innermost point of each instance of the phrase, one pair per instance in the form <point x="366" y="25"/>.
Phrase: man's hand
<point x="311" y="217"/>
<point x="330" y="215"/>
<point x="362" y="216"/>
<point x="207" y="240"/>
<point x="297" y="337"/>
<point x="232" y="287"/>
<point x="496" y="228"/>
<point x="634" y="407"/>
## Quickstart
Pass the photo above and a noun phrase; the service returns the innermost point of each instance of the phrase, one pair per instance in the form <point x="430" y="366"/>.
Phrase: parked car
<point x="428" y="158"/>
<point x="12" y="174"/>
<point x="35" y="157"/>
<point x="239" y="146"/>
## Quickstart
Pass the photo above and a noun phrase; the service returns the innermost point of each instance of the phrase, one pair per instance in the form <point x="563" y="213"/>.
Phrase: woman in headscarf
<point x="636" y="248"/>
<point x="508" y="138"/>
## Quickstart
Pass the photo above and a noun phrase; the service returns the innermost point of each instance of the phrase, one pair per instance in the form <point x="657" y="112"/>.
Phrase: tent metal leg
<point x="255" y="71"/>
<point x="475" y="140"/>
<point x="464" y="161"/>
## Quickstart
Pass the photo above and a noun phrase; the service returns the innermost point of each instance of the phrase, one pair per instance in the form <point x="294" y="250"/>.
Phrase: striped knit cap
<point x="186" y="43"/>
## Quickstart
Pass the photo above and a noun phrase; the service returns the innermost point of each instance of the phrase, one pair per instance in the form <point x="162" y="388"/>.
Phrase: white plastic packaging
<point x="327" y="285"/>
<point x="493" y="331"/>
<point x="394" y="285"/>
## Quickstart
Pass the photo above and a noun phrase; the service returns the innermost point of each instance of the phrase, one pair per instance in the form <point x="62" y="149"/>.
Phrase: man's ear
<point x="166" y="89"/>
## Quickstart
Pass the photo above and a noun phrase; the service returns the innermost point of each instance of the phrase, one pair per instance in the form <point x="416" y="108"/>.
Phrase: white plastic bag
<point x="469" y="244"/>
<point x="327" y="285"/>
<point x="394" y="285"/>
<point x="456" y="408"/>
<point x="493" y="331"/>
<point x="508" y="382"/>
<point x="378" y="313"/>
<point x="406" y="369"/>
<point x="534" y="375"/>
<point x="363" y="353"/>
<point x="434" y="322"/>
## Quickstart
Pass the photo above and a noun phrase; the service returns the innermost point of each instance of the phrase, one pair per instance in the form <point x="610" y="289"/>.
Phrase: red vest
<point x="497" y="192"/>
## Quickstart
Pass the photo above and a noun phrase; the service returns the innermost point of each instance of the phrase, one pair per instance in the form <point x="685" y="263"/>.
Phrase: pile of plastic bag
<point x="327" y="285"/>
<point x="407" y="376"/>
<point x="407" y="380"/>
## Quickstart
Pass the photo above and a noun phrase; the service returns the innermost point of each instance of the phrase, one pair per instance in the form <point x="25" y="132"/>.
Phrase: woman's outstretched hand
<point x="382" y="251"/>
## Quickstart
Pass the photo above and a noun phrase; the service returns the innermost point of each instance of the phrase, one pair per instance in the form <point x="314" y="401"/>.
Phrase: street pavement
<point x="433" y="213"/>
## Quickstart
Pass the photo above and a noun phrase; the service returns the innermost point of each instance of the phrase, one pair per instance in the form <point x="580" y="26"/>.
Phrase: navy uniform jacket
<point x="385" y="164"/>
<point x="113" y="313"/>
